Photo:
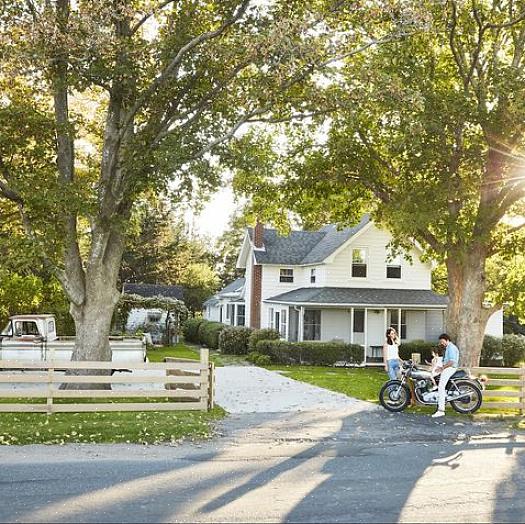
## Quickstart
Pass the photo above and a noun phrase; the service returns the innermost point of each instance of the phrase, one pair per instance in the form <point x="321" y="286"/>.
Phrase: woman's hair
<point x="389" y="338"/>
<point x="438" y="350"/>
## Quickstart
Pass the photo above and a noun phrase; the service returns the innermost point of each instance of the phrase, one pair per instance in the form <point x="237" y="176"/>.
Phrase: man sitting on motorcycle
<point x="450" y="366"/>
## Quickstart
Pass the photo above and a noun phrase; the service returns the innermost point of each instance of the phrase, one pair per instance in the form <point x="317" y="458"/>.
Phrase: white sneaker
<point x="438" y="414"/>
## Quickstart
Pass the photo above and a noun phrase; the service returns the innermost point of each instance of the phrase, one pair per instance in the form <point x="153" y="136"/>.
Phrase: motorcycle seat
<point x="460" y="373"/>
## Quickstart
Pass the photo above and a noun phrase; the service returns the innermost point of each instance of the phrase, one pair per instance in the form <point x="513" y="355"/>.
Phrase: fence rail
<point x="518" y="383"/>
<point x="182" y="384"/>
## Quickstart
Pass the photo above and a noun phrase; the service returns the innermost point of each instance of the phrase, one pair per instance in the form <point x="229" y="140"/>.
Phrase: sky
<point x="214" y="218"/>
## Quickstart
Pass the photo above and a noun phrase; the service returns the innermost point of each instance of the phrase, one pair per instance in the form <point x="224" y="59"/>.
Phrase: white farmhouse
<point x="334" y="284"/>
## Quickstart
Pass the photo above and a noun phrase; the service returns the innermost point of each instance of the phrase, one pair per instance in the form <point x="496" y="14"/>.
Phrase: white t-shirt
<point x="392" y="351"/>
<point x="437" y="362"/>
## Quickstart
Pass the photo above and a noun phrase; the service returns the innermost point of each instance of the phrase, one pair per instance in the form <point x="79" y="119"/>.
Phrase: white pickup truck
<point x="34" y="337"/>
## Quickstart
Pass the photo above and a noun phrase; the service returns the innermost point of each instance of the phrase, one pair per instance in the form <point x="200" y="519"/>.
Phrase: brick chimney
<point x="258" y="235"/>
<point x="256" y="288"/>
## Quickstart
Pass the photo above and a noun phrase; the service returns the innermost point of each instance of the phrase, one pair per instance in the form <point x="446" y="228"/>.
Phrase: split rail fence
<point x="517" y="382"/>
<point x="183" y="385"/>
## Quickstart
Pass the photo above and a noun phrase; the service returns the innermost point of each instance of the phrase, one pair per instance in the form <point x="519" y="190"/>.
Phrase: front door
<point x="375" y="335"/>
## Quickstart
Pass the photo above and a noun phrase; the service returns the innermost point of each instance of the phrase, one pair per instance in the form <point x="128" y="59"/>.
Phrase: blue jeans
<point x="393" y="368"/>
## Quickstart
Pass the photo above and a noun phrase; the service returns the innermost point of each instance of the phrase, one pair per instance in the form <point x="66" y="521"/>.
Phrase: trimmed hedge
<point x="310" y="353"/>
<point x="190" y="329"/>
<point x="209" y="333"/>
<point x="513" y="350"/>
<point x="417" y="346"/>
<point x="491" y="352"/>
<point x="261" y="334"/>
<point x="258" y="359"/>
<point x="233" y="340"/>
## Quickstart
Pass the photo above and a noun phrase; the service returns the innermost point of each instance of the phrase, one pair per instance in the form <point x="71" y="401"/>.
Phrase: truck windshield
<point x="7" y="331"/>
<point x="24" y="327"/>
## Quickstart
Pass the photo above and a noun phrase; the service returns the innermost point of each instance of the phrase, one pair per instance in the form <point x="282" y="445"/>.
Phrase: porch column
<point x="399" y="323"/>
<point x="235" y="306"/>
<point x="300" y="335"/>
<point x="366" y="333"/>
<point x="385" y="312"/>
<point x="351" y="325"/>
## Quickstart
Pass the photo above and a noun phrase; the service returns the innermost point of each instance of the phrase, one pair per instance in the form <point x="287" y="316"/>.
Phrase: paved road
<point x="322" y="466"/>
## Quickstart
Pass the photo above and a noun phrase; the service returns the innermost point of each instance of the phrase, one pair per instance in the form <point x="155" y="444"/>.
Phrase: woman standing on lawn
<point x="391" y="353"/>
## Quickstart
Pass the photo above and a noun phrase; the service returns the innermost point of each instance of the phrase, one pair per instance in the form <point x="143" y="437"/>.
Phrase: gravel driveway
<point x="245" y="389"/>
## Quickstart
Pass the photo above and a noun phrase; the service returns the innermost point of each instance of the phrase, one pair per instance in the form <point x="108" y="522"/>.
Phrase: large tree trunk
<point x="466" y="317"/>
<point x="93" y="317"/>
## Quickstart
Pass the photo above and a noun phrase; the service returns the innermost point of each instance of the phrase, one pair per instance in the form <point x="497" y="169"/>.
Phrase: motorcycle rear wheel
<point x="394" y="396"/>
<point x="471" y="405"/>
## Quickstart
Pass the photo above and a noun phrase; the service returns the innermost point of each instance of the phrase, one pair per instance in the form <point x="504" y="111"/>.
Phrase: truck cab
<point x="30" y="328"/>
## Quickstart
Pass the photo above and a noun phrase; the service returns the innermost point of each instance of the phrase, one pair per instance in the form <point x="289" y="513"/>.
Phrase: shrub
<point x="209" y="333"/>
<point x="190" y="329"/>
<point x="417" y="346"/>
<point x="234" y="340"/>
<point x="259" y="360"/>
<point x="262" y="334"/>
<point x="491" y="351"/>
<point x="310" y="353"/>
<point x="513" y="349"/>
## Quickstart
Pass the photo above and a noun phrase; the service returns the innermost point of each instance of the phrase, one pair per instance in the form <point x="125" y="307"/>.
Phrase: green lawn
<point x="365" y="383"/>
<point x="184" y="350"/>
<point x="153" y="427"/>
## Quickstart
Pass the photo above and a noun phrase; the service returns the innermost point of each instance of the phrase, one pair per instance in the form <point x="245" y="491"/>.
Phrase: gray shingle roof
<point x="153" y="290"/>
<point x="304" y="247"/>
<point x="232" y="287"/>
<point x="361" y="296"/>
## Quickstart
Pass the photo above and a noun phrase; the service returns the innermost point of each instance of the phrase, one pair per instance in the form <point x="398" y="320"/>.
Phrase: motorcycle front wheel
<point x="394" y="396"/>
<point x="473" y="397"/>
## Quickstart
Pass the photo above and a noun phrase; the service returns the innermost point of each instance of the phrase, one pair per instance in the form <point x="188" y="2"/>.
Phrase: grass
<point x="153" y="427"/>
<point x="185" y="350"/>
<point x="365" y="383"/>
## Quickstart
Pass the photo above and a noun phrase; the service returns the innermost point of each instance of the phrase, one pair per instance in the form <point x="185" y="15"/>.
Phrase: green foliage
<point x="209" y="333"/>
<point x="233" y="340"/>
<point x="311" y="353"/>
<point x="259" y="360"/>
<point x="513" y="350"/>
<point x="190" y="329"/>
<point x="417" y="346"/>
<point x="261" y="334"/>
<point x="492" y="351"/>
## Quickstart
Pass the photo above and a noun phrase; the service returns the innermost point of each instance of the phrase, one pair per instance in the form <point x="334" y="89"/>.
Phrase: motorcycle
<point x="463" y="391"/>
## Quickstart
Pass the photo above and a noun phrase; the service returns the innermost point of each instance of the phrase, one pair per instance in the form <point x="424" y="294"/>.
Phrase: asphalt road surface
<point x="351" y="465"/>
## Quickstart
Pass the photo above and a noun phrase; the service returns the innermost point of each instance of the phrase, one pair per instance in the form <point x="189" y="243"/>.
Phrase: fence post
<point x="211" y="386"/>
<point x="205" y="364"/>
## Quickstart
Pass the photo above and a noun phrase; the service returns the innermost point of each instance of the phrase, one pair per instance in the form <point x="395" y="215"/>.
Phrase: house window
<point x="394" y="322"/>
<point x="153" y="317"/>
<point x="312" y="276"/>
<point x="359" y="263"/>
<point x="230" y="313"/>
<point x="312" y="324"/>
<point x="286" y="275"/>
<point x="240" y="315"/>
<point x="284" y="322"/>
<point x="393" y="268"/>
<point x="359" y="321"/>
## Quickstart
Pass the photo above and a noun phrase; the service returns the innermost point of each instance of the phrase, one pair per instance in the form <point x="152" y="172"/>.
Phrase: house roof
<point x="153" y="290"/>
<point x="304" y="247"/>
<point x="233" y="288"/>
<point x="361" y="297"/>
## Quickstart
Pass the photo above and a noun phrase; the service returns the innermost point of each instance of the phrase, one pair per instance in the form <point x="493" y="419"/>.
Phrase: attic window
<point x="312" y="276"/>
<point x="359" y="263"/>
<point x="286" y="275"/>
<point x="393" y="268"/>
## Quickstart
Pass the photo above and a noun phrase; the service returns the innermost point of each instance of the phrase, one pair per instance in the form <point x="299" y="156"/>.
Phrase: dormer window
<point x="393" y="268"/>
<point x="286" y="275"/>
<point x="359" y="263"/>
<point x="312" y="276"/>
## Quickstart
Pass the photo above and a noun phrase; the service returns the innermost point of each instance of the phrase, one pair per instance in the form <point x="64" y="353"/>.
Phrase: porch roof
<point x="343" y="296"/>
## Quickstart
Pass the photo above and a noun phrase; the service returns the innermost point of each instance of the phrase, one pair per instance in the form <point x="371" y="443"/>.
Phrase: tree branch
<point x="172" y="67"/>
<point x="147" y="16"/>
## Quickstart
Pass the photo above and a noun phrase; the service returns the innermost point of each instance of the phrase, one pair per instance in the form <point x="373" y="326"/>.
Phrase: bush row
<point x="201" y="331"/>
<point x="310" y="353"/>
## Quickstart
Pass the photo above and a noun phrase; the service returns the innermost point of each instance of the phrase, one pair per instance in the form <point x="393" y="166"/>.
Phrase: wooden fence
<point x="47" y="377"/>
<point x="517" y="382"/>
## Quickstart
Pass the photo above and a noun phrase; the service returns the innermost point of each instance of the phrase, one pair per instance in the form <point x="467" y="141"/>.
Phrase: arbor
<point x="134" y="96"/>
<point x="430" y="140"/>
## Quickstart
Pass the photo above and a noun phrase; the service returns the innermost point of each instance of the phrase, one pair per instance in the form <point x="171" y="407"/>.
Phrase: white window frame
<point x="365" y="249"/>
<point x="395" y="263"/>
<point x="286" y="276"/>
<point x="313" y="275"/>
<point x="271" y="319"/>
<point x="283" y="328"/>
